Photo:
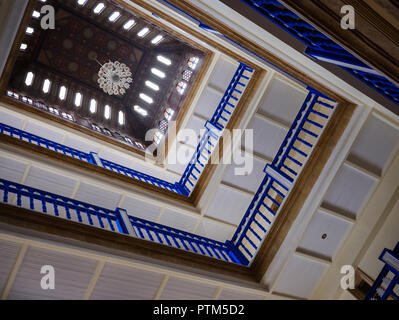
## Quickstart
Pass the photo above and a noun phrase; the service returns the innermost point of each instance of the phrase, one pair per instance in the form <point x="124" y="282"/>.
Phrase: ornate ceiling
<point x="71" y="55"/>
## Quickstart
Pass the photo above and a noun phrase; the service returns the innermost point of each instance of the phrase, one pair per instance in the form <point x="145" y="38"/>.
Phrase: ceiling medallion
<point x="114" y="78"/>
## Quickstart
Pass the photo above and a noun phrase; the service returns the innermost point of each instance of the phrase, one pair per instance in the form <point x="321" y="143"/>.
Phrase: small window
<point x="82" y="2"/>
<point x="158" y="137"/>
<point x="107" y="112"/>
<point x="63" y="93"/>
<point x="121" y="118"/>
<point x="146" y="98"/>
<point x="181" y="87"/>
<point x="152" y="85"/>
<point x="169" y="114"/>
<point x="46" y="86"/>
<point x="187" y="75"/>
<point x="35" y="14"/>
<point x="164" y="60"/>
<point x="23" y="47"/>
<point x="30" y="30"/>
<point x="140" y="110"/>
<point x="100" y="7"/>
<point x="157" y="39"/>
<point x="78" y="99"/>
<point x="93" y="106"/>
<point x="143" y="32"/>
<point x="192" y="62"/>
<point x="128" y="25"/>
<point x="158" y="72"/>
<point x="114" y="16"/>
<point x="29" y="78"/>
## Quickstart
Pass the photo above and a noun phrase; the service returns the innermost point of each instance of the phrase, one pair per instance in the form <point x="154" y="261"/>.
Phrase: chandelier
<point x="114" y="78"/>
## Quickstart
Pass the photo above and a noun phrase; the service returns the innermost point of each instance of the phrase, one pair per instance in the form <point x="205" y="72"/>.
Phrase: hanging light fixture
<point x="114" y="78"/>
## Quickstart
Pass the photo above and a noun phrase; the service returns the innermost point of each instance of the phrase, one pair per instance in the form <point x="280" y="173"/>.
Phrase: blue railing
<point x="113" y="220"/>
<point x="257" y="220"/>
<point x="387" y="283"/>
<point x="320" y="46"/>
<point x="45" y="143"/>
<point x="280" y="175"/>
<point x="214" y="128"/>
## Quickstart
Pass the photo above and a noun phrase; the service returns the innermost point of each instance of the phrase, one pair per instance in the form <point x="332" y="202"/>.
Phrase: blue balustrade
<point x="113" y="220"/>
<point x="45" y="143"/>
<point x="387" y="283"/>
<point x="214" y="128"/>
<point x="322" y="47"/>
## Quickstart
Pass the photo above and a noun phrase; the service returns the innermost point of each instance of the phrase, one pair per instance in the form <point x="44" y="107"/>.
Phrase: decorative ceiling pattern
<point x="59" y="69"/>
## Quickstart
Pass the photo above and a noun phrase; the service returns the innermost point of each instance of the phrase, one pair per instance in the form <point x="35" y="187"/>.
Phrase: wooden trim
<point x="45" y="223"/>
<point x="373" y="39"/>
<point x="82" y="165"/>
<point x="302" y="188"/>
<point x="240" y="109"/>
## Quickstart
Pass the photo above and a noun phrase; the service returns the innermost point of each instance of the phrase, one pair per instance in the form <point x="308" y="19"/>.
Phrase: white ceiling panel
<point x="208" y="103"/>
<point x="334" y="230"/>
<point x="228" y="205"/>
<point x="375" y="144"/>
<point x="349" y="191"/>
<point x="222" y="74"/>
<point x="11" y="120"/>
<point x="8" y="256"/>
<point x="179" y="289"/>
<point x="300" y="277"/>
<point x="44" y="132"/>
<point x="50" y="181"/>
<point x="196" y="124"/>
<point x="179" y="162"/>
<point x="114" y="157"/>
<point x="282" y="101"/>
<point x="78" y="144"/>
<point x="267" y="137"/>
<point x="140" y="209"/>
<point x="72" y="275"/>
<point x="177" y="220"/>
<point x="124" y="283"/>
<point x="97" y="196"/>
<point x="214" y="230"/>
<point x="229" y="294"/>
<point x="252" y="169"/>
<point x="11" y="169"/>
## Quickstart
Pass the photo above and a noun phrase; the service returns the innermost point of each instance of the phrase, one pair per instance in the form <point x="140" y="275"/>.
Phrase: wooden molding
<point x="45" y="223"/>
<point x="373" y="40"/>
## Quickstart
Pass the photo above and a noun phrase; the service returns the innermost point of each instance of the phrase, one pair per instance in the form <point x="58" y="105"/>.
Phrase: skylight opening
<point x="107" y="112"/>
<point x="23" y="46"/>
<point x="29" y="30"/>
<point x="164" y="60"/>
<point x="46" y="86"/>
<point x="157" y="39"/>
<point x="128" y="25"/>
<point x="82" y="2"/>
<point x="93" y="106"/>
<point x="35" y="14"/>
<point x="29" y="78"/>
<point x="100" y="7"/>
<point x="158" y="73"/>
<point x="121" y="118"/>
<point x="146" y="98"/>
<point x="78" y="99"/>
<point x="152" y="85"/>
<point x="114" y="16"/>
<point x="63" y="92"/>
<point x="140" y="110"/>
<point x="143" y="32"/>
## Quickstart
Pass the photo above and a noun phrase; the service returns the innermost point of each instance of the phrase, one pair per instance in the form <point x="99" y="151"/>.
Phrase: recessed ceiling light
<point x="143" y="32"/>
<point x="158" y="73"/>
<point x="99" y="8"/>
<point x="146" y="98"/>
<point x="128" y="25"/>
<point x="157" y="39"/>
<point x="152" y="85"/>
<point x="164" y="60"/>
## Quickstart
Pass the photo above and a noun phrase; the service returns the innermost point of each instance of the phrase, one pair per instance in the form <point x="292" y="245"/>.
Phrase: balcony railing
<point x="256" y="222"/>
<point x="387" y="283"/>
<point x="113" y="220"/>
